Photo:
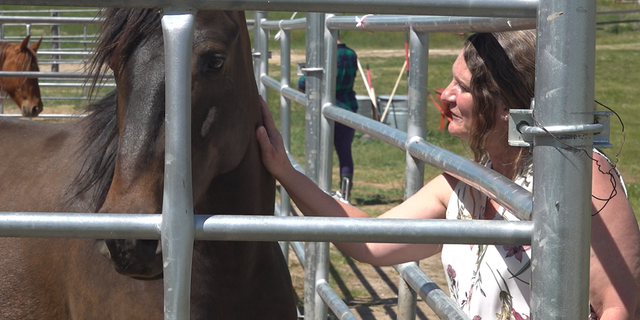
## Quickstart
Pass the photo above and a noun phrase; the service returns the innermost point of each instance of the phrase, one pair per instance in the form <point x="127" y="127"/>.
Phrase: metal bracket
<point x="522" y="129"/>
<point x="256" y="54"/>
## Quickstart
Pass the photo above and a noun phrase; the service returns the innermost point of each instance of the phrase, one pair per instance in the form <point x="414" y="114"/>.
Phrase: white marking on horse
<point x="206" y="125"/>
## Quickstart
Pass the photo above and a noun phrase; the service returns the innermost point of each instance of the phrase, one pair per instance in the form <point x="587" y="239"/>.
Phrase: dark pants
<point x="342" y="138"/>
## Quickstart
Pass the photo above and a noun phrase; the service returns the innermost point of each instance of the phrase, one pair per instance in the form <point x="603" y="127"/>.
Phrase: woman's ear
<point x="504" y="115"/>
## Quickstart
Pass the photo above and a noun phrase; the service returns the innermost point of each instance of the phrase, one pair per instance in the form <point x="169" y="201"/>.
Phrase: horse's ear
<point x="35" y="46"/>
<point x="25" y="42"/>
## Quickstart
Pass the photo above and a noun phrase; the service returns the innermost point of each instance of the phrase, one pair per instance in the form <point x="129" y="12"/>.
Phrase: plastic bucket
<point x="364" y="105"/>
<point x="397" y="115"/>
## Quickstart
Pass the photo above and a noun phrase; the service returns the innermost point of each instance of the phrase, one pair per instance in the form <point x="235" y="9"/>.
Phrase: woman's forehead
<point x="460" y="69"/>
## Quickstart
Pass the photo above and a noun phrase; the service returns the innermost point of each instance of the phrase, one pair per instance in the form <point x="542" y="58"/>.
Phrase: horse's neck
<point x="3" y="46"/>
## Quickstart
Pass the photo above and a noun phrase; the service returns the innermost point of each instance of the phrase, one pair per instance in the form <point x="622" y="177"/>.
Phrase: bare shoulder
<point x="615" y="254"/>
<point x="608" y="187"/>
<point x="611" y="207"/>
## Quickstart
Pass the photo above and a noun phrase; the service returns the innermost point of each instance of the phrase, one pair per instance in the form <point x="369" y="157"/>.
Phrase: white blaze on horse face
<point x="206" y="125"/>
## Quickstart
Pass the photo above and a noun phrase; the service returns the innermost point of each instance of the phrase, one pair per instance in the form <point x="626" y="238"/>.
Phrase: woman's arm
<point x="429" y="202"/>
<point x="615" y="248"/>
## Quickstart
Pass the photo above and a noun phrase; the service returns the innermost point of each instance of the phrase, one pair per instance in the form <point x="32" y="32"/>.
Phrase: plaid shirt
<point x="345" y="77"/>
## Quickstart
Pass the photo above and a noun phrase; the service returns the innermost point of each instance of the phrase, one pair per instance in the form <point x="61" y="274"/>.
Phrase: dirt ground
<point x="371" y="292"/>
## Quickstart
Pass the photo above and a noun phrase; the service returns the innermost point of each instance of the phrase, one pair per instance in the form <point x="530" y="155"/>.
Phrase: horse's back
<point x="38" y="161"/>
<point x="68" y="279"/>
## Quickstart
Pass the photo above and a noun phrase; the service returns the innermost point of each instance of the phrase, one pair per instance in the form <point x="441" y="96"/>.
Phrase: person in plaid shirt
<point x="345" y="99"/>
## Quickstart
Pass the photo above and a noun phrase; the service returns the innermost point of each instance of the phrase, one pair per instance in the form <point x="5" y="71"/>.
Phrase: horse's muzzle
<point x="140" y="259"/>
<point x="32" y="111"/>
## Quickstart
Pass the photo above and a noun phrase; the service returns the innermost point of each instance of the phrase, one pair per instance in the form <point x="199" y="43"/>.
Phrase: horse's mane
<point x="99" y="147"/>
<point x="121" y="32"/>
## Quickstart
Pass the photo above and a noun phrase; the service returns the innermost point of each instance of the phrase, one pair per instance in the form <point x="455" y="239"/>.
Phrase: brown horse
<point x="24" y="91"/>
<point x="112" y="161"/>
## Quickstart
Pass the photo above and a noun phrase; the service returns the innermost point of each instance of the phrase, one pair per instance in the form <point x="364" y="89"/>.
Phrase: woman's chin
<point x="456" y="131"/>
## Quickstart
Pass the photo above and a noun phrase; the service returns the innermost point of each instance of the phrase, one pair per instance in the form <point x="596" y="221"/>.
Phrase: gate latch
<point x="522" y="129"/>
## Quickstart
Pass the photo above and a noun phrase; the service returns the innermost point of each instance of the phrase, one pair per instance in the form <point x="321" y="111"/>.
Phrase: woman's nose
<point x="447" y="94"/>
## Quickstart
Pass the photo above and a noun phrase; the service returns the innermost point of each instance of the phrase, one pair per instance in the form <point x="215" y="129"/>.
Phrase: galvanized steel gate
<point x="564" y="96"/>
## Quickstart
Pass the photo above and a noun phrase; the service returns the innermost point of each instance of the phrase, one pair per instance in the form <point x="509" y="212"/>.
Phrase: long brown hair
<point x="502" y="67"/>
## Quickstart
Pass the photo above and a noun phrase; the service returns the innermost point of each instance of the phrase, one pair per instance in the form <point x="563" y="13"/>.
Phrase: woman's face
<point x="458" y="97"/>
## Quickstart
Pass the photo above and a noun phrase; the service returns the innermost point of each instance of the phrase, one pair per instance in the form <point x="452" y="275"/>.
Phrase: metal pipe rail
<point x="65" y="52"/>
<point x="2" y="12"/>
<point x="266" y="228"/>
<point x="400" y="23"/>
<point x="430" y="292"/>
<point x="52" y="116"/>
<point x="49" y="20"/>
<point x="45" y="75"/>
<point x="287" y="91"/>
<point x="479" y="8"/>
<point x="290" y="24"/>
<point x="504" y="191"/>
<point x="337" y="305"/>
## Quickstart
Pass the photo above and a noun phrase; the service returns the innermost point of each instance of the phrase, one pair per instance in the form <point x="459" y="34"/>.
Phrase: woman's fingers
<point x="270" y="126"/>
<point x="267" y="118"/>
<point x="269" y="138"/>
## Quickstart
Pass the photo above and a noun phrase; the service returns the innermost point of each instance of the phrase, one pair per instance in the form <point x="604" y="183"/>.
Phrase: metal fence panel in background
<point x="70" y="48"/>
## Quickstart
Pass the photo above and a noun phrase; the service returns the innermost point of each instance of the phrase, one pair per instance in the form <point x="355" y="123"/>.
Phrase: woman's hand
<point x="274" y="155"/>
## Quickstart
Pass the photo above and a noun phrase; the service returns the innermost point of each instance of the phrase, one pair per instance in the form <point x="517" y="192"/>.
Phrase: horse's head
<point x="224" y="107"/>
<point x="24" y="91"/>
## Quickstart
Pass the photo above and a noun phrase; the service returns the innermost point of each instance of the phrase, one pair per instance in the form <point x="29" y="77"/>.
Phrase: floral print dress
<point x="492" y="281"/>
<point x="487" y="281"/>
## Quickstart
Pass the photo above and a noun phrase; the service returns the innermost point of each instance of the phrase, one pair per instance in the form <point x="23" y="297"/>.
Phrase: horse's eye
<point x="215" y="64"/>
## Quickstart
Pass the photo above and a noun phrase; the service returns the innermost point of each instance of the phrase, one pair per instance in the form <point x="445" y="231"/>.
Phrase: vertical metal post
<point x="55" y="44"/>
<point x="326" y="150"/>
<point x="314" y="73"/>
<point x="261" y="40"/>
<point x="177" y="229"/>
<point x="416" y="104"/>
<point x="314" y="45"/>
<point x="407" y="299"/>
<point x="285" y="122"/>
<point x="328" y="98"/>
<point x="561" y="192"/>
<point x="416" y="127"/>
<point x="84" y="36"/>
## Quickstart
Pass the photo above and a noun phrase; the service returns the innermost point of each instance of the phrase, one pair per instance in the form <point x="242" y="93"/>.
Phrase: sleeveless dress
<point x="487" y="281"/>
<point x="491" y="281"/>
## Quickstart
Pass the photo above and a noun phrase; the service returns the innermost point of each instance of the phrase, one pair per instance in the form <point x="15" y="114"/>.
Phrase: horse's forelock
<point x="30" y="57"/>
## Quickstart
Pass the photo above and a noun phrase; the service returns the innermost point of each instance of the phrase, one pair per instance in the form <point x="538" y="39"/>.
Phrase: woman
<point x="493" y="72"/>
